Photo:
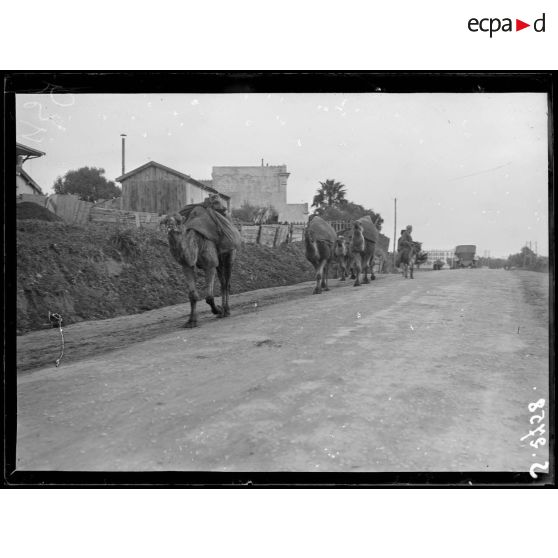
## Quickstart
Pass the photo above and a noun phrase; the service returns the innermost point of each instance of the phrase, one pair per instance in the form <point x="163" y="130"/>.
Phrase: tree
<point x="88" y="183"/>
<point x="248" y="213"/>
<point x="349" y="211"/>
<point x="332" y="204"/>
<point x="330" y="193"/>
<point x="527" y="259"/>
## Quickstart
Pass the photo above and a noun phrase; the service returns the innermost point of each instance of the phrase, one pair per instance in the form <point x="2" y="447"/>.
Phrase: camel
<point x="409" y="255"/>
<point x="363" y="246"/>
<point x="341" y="255"/>
<point x="200" y="236"/>
<point x="319" y="239"/>
<point x="406" y="257"/>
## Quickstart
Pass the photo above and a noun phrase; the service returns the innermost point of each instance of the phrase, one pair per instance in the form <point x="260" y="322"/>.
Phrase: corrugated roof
<point x="171" y="171"/>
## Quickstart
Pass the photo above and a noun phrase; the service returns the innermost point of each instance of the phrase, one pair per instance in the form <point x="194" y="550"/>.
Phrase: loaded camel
<point x="319" y="240"/>
<point x="362" y="248"/>
<point x="202" y="236"/>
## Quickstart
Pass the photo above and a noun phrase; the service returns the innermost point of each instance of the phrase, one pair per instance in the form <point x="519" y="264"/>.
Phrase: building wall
<point x="260" y="186"/>
<point x="294" y="213"/>
<point x="22" y="187"/>
<point x="155" y="190"/>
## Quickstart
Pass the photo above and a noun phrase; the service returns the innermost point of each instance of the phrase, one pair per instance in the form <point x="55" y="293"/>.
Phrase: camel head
<point x="340" y="246"/>
<point x="171" y="223"/>
<point x="359" y="229"/>
<point x="357" y="241"/>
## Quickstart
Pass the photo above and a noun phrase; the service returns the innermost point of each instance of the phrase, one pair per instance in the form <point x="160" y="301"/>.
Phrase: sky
<point x="464" y="168"/>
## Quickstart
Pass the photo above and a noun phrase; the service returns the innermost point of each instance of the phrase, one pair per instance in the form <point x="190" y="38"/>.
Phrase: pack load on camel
<point x="363" y="246"/>
<point x="319" y="240"/>
<point x="202" y="235"/>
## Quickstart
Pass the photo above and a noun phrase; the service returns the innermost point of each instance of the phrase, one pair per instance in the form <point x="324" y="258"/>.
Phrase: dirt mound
<point x="30" y="210"/>
<point x="101" y="271"/>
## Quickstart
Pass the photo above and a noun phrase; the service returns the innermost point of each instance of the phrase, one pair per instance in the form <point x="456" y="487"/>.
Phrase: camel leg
<point x="372" y="276"/>
<point x="209" y="285"/>
<point x="224" y="272"/>
<point x="366" y="268"/>
<point x="325" y="277"/>
<point x="319" y="274"/>
<point x="193" y="296"/>
<point x="412" y="266"/>
<point x="357" y="267"/>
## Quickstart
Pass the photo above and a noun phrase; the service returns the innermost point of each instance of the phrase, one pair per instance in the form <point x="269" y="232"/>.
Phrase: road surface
<point x="430" y="374"/>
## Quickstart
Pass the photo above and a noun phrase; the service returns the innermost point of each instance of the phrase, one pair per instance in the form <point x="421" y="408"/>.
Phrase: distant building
<point x="261" y="186"/>
<point x="446" y="255"/>
<point x="155" y="188"/>
<point x="24" y="183"/>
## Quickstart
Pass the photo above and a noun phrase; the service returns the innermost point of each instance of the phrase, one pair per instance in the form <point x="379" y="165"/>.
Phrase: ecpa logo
<point x="494" y="24"/>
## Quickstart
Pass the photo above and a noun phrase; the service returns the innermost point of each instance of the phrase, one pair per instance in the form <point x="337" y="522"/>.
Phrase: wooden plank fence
<point x="250" y="233"/>
<point x="125" y="218"/>
<point x="340" y="226"/>
<point x="69" y="208"/>
<point x="296" y="233"/>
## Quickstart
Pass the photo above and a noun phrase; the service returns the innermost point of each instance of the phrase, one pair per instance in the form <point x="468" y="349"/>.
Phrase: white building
<point x="446" y="255"/>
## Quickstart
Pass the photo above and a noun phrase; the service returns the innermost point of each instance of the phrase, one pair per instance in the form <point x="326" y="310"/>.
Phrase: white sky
<point x="465" y="168"/>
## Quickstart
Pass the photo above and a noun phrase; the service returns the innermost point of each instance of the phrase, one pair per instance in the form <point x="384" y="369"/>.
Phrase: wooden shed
<point x="156" y="188"/>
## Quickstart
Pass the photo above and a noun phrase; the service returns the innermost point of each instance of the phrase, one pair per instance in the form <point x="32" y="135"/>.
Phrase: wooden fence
<point x="271" y="235"/>
<point x="125" y="218"/>
<point x="69" y="208"/>
<point x="340" y="226"/>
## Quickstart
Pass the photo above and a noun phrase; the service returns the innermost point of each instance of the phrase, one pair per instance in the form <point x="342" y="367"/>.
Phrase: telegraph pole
<point x="394" y="228"/>
<point x="123" y="136"/>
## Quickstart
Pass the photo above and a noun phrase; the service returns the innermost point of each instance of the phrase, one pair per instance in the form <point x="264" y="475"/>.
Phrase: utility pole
<point x="394" y="228"/>
<point x="123" y="136"/>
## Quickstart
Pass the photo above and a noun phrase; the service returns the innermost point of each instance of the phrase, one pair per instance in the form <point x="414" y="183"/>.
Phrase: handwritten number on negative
<point x="537" y="442"/>
<point x="534" y="406"/>
<point x="539" y="429"/>
<point x="538" y="466"/>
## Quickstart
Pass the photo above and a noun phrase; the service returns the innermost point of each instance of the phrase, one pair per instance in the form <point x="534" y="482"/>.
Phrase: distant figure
<point x="406" y="236"/>
<point x="404" y="244"/>
<point x="402" y="233"/>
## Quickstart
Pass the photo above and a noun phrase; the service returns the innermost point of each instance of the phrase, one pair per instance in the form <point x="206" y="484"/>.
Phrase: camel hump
<point x="370" y="231"/>
<point x="213" y="226"/>
<point x="319" y="229"/>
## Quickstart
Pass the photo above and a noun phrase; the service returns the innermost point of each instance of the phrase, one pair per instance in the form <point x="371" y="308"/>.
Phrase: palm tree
<point x="329" y="194"/>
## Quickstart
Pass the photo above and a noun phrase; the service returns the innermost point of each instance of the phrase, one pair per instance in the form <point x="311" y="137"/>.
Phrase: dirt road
<point x="433" y="374"/>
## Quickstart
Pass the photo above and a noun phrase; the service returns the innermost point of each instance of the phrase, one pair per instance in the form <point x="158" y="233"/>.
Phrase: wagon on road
<point x="465" y="256"/>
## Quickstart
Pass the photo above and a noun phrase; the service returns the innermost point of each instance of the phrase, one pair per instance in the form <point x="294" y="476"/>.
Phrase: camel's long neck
<point x="311" y="246"/>
<point x="185" y="246"/>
